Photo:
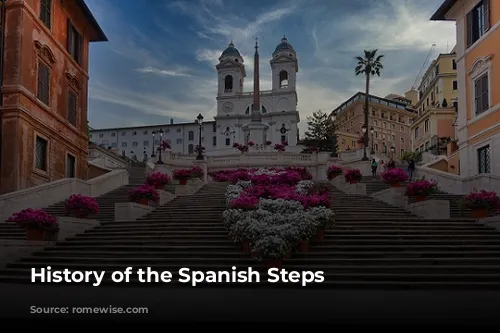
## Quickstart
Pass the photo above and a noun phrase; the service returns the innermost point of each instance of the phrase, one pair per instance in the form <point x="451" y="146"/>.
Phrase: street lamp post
<point x="365" y="134"/>
<point x="160" y="161"/>
<point x="364" y="128"/>
<point x="200" y="151"/>
<point x="372" y="131"/>
<point x="153" y="152"/>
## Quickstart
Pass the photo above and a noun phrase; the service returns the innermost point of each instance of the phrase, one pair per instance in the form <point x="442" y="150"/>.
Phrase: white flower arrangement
<point x="303" y="186"/>
<point x="232" y="192"/>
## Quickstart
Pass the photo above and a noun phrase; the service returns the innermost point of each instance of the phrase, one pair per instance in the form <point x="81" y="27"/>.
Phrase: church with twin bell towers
<point x="258" y="116"/>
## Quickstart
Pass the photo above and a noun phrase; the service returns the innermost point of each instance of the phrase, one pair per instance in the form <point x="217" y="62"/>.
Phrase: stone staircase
<point x="186" y="232"/>
<point x="372" y="245"/>
<point x="106" y="205"/>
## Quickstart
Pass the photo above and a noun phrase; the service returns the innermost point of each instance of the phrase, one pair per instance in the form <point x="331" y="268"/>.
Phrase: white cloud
<point x="164" y="72"/>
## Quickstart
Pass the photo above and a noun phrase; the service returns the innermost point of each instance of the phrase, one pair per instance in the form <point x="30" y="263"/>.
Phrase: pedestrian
<point x="374" y="168"/>
<point x="411" y="169"/>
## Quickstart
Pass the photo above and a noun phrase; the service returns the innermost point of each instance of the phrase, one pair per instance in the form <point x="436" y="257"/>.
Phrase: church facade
<point x="278" y="106"/>
<point x="272" y="114"/>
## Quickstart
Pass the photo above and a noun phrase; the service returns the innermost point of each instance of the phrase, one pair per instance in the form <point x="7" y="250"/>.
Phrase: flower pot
<point x="246" y="247"/>
<point x="303" y="246"/>
<point x="288" y="255"/>
<point x="183" y="181"/>
<point x="420" y="198"/>
<point x="479" y="213"/>
<point x="320" y="234"/>
<point x="273" y="263"/>
<point x="143" y="202"/>
<point x="395" y="185"/>
<point x="34" y="234"/>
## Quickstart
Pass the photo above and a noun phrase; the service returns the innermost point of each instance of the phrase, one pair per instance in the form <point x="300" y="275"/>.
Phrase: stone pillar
<point x="203" y="165"/>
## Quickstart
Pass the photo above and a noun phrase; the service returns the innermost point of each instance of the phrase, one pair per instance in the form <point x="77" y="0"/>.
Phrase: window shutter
<point x="478" y="95"/>
<point x="485" y="97"/>
<point x="486" y="14"/>
<point x="469" y="28"/>
<point x="69" y="38"/>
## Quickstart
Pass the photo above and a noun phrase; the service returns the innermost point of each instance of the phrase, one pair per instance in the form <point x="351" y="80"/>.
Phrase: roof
<point x="101" y="36"/>
<point x="230" y="51"/>
<point x="149" y="126"/>
<point x="284" y="45"/>
<point x="440" y="14"/>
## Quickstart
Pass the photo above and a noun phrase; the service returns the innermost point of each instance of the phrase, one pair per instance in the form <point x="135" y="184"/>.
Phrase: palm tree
<point x="369" y="65"/>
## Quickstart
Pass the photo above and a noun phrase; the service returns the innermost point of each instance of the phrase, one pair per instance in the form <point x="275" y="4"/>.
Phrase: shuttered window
<point x="74" y="42"/>
<point x="478" y="21"/>
<point x="45" y="12"/>
<point x="41" y="152"/>
<point x="43" y="92"/>
<point x="70" y="166"/>
<point x="481" y="94"/>
<point x="72" y="106"/>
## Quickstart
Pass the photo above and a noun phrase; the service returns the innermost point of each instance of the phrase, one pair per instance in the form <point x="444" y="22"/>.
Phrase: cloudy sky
<point x="160" y="60"/>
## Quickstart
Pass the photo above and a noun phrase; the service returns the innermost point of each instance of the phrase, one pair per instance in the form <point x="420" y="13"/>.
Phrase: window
<point x="283" y="138"/>
<point x="402" y="152"/>
<point x="191" y="136"/>
<point x="393" y="138"/>
<point x="426" y="126"/>
<point x="101" y="135"/>
<point x="384" y="124"/>
<point x="70" y="166"/>
<point x="454" y="64"/>
<point x="178" y="141"/>
<point x="393" y="127"/>
<point x="214" y="141"/>
<point x="124" y="144"/>
<point x="145" y="143"/>
<point x="134" y="133"/>
<point x="191" y="149"/>
<point x="437" y="70"/>
<point x="72" y="104"/>
<point x="74" y="41"/>
<point x="214" y="127"/>
<point x="124" y="133"/>
<point x="416" y="133"/>
<point x="402" y="140"/>
<point x="145" y="132"/>
<point x="483" y="159"/>
<point x="43" y="93"/>
<point x="45" y="12"/>
<point x="179" y="130"/>
<point x="228" y="141"/>
<point x="375" y="134"/>
<point x="41" y="152"/>
<point x="481" y="94"/>
<point x="478" y="22"/>
<point x="455" y="85"/>
<point x="375" y="122"/>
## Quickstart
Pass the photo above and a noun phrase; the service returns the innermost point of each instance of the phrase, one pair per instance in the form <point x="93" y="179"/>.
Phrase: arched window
<point x="250" y="107"/>
<point x="228" y="83"/>
<point x="191" y="149"/>
<point x="191" y="136"/>
<point x="283" y="79"/>
<point x="214" y="127"/>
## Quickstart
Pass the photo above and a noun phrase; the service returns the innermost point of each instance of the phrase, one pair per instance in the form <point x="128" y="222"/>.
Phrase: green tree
<point x="321" y="132"/>
<point x="369" y="65"/>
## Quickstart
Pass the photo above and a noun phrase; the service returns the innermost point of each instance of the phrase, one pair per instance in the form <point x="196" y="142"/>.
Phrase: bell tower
<point x="231" y="72"/>
<point x="284" y="67"/>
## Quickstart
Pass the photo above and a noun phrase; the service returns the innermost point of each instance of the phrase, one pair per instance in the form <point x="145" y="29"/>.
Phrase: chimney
<point x="171" y="121"/>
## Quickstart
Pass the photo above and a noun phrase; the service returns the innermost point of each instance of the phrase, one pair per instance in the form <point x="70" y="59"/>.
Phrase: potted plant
<point x="272" y="249"/>
<point x="268" y="143"/>
<point x="420" y="189"/>
<point x="353" y="176"/>
<point x="394" y="177"/>
<point x="279" y="147"/>
<point x="144" y="194"/>
<point x="39" y="224"/>
<point x="481" y="203"/>
<point x="333" y="171"/>
<point x="182" y="175"/>
<point x="196" y="172"/>
<point x="251" y="143"/>
<point x="158" y="180"/>
<point x="81" y="206"/>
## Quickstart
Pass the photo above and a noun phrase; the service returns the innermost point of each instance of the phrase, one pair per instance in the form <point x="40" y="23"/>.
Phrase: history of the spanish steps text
<point x="185" y="275"/>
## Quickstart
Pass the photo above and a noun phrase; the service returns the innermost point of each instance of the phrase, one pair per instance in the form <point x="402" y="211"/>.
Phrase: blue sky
<point x="160" y="60"/>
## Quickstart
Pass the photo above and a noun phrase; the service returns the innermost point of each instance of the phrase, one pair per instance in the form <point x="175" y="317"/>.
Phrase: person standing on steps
<point x="374" y="168"/>
<point x="411" y="169"/>
<point x="391" y="164"/>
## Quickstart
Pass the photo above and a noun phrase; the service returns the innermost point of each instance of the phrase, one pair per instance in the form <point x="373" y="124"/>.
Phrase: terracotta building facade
<point x="45" y="91"/>
<point x="389" y="117"/>
<point x="478" y="70"/>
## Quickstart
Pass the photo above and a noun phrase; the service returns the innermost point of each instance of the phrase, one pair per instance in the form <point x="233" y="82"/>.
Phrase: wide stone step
<point x="405" y="246"/>
<point x="411" y="237"/>
<point x="198" y="233"/>
<point x="146" y="241"/>
<point x="176" y="237"/>
<point x="419" y="233"/>
<point x="147" y="247"/>
<point x="234" y="252"/>
<point x="152" y="224"/>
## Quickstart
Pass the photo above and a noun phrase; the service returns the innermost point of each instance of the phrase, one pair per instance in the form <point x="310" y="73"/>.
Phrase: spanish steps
<point x="372" y="245"/>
